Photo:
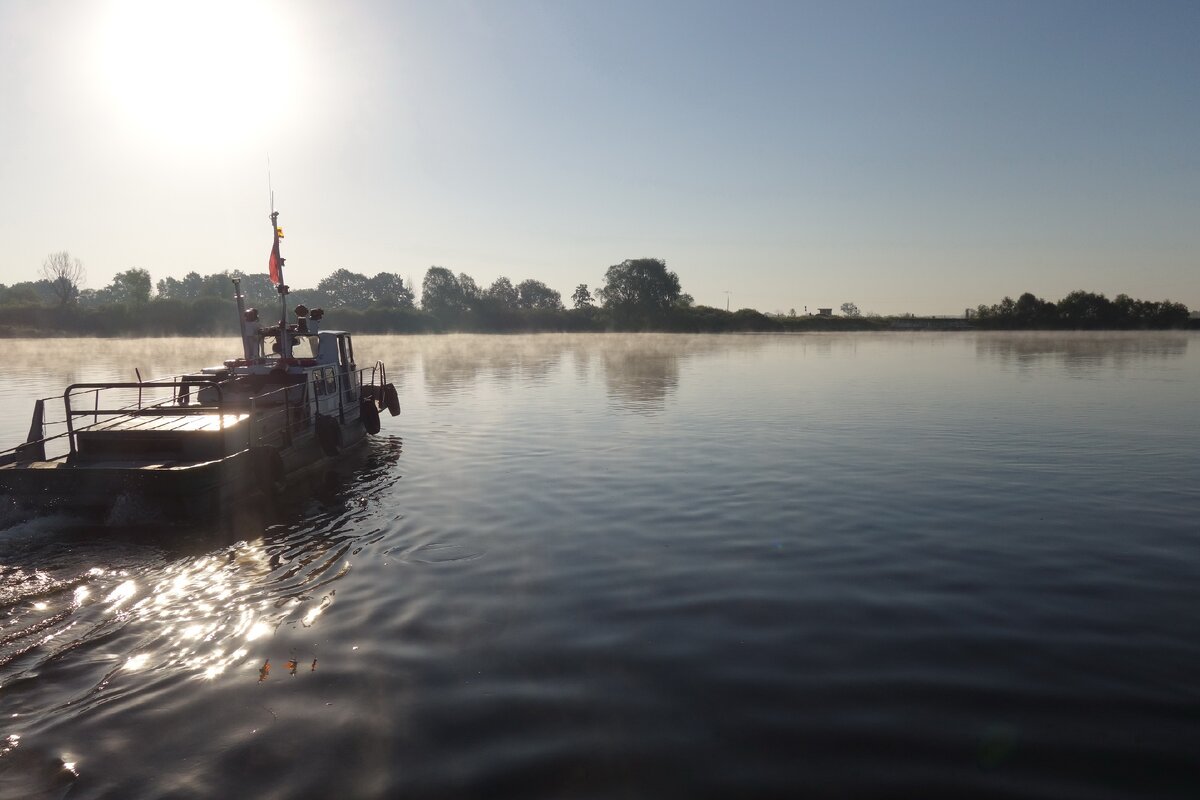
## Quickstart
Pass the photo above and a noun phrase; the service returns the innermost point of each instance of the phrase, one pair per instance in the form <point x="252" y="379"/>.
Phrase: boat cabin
<point x="319" y="370"/>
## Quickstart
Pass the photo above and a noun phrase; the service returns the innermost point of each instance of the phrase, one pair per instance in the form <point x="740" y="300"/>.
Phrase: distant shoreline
<point x="622" y="312"/>
<point x="807" y="324"/>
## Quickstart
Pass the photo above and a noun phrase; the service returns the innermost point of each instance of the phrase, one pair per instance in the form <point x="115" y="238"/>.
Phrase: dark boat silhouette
<point x="208" y="442"/>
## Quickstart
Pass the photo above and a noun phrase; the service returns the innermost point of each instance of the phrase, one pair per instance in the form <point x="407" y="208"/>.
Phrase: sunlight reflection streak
<point x="209" y="614"/>
<point x="119" y="595"/>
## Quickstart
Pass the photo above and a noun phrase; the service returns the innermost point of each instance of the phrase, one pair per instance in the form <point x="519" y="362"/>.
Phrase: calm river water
<point x="651" y="566"/>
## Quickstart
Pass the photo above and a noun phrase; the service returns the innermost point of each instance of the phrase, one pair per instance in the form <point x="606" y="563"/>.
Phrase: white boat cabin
<point x="316" y="368"/>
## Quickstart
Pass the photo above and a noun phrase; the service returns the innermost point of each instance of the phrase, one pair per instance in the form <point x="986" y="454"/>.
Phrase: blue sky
<point x="905" y="156"/>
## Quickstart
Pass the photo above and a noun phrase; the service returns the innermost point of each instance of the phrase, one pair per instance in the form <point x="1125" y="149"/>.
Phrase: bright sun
<point x="211" y="72"/>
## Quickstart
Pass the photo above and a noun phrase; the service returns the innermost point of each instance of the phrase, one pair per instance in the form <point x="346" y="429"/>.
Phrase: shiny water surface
<point x="650" y="566"/>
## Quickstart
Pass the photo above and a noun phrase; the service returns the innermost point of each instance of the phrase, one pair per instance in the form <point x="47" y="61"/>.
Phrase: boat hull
<point x="194" y="491"/>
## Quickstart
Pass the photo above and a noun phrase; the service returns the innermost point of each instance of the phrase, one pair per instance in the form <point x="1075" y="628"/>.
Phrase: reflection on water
<point x="640" y="379"/>
<point x="141" y="610"/>
<point x="1083" y="350"/>
<point x="640" y="371"/>
<point x="197" y="610"/>
<point x="454" y="362"/>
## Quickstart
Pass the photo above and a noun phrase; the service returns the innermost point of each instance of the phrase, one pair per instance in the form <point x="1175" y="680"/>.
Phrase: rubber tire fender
<point x="373" y="393"/>
<point x="391" y="400"/>
<point x="369" y="414"/>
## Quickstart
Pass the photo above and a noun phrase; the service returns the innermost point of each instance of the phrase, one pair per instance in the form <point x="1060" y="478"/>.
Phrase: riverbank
<point x="174" y="318"/>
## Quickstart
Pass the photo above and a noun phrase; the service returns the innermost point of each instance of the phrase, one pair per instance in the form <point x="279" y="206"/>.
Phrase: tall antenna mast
<point x="276" y="267"/>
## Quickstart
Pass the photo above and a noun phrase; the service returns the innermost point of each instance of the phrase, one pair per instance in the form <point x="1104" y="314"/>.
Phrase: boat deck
<point x="176" y="423"/>
<point x="62" y="463"/>
<point x="161" y="436"/>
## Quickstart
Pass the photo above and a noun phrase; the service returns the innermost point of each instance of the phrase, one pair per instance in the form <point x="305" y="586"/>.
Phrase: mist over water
<point x="666" y="566"/>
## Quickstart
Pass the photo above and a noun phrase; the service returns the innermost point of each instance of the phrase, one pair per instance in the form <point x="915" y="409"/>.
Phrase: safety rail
<point x="141" y="409"/>
<point x="372" y="390"/>
<point x="270" y="421"/>
<point x="379" y="369"/>
<point x="284" y="422"/>
<point x="37" y="439"/>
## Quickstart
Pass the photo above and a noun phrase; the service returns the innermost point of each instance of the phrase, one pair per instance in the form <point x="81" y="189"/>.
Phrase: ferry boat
<point x="212" y="441"/>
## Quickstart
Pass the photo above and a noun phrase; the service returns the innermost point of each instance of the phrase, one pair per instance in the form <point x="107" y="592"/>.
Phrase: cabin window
<point x="318" y="383"/>
<point x="305" y="347"/>
<point x="342" y="359"/>
<point x="330" y="381"/>
<point x="350" y="351"/>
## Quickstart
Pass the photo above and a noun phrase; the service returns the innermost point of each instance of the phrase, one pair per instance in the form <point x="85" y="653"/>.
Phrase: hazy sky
<point x="906" y="156"/>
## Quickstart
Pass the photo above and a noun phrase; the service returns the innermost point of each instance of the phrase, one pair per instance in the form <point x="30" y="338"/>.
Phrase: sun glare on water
<point x="214" y="72"/>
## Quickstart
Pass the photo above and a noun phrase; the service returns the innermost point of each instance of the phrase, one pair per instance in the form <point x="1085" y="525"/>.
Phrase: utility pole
<point x="726" y="299"/>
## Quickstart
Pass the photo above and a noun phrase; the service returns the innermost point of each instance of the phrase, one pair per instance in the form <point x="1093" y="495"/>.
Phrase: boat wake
<point x="99" y="616"/>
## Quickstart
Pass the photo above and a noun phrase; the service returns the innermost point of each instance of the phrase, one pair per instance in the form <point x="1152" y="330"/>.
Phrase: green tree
<point x="1171" y="315"/>
<point x="1086" y="310"/>
<point x="535" y="295"/>
<point x="501" y="294"/>
<point x="95" y="298"/>
<point x="216" y="285"/>
<point x="20" y="294"/>
<point x="472" y="295"/>
<point x="195" y="286"/>
<point x="346" y="288"/>
<point x="388" y="289"/>
<point x="1129" y="311"/>
<point x="441" y="293"/>
<point x="581" y="297"/>
<point x="850" y="310"/>
<point x="640" y="286"/>
<point x="191" y="287"/>
<point x="131" y="287"/>
<point x="1032" y="310"/>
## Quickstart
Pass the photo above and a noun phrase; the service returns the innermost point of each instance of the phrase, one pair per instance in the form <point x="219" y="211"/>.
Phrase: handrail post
<point x="70" y="426"/>
<point x="286" y="408"/>
<point x="304" y="401"/>
<point x="341" y="398"/>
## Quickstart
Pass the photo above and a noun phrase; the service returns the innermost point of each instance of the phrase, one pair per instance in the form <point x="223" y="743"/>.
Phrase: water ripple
<point x="831" y="566"/>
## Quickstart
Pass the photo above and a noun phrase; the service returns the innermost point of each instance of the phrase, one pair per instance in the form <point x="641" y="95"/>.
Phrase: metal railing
<point x="267" y="417"/>
<point x="38" y="442"/>
<point x="140" y="408"/>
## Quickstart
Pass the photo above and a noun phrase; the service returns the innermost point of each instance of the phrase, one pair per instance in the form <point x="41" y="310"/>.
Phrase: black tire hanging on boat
<point x="391" y="400"/>
<point x="369" y="414"/>
<point x="373" y="393"/>
<point x="329" y="434"/>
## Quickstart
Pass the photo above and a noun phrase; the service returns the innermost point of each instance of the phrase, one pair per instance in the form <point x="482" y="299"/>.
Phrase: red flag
<point x="275" y="262"/>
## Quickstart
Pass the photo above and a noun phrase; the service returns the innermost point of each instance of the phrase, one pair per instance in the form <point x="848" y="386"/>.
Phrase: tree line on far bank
<point x="636" y="295"/>
<point x="1082" y="310"/>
